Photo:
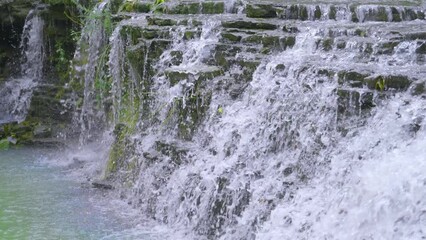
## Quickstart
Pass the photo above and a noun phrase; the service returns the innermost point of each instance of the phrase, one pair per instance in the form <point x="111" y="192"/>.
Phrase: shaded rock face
<point x="12" y="19"/>
<point x="34" y="64"/>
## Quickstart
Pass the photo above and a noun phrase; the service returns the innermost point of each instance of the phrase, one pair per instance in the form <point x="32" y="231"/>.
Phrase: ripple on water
<point x="37" y="202"/>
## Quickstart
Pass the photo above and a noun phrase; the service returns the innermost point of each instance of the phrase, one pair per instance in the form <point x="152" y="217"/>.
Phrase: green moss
<point x="229" y="37"/>
<point x="341" y="44"/>
<point x="327" y="44"/>
<point x="303" y="14"/>
<point x="418" y="89"/>
<point x="271" y="41"/>
<point x="351" y="78"/>
<point x="4" y="144"/>
<point x="176" y="76"/>
<point x="190" y="116"/>
<point x="188" y="35"/>
<point x="332" y="13"/>
<point x="289" y="41"/>
<point x="360" y="32"/>
<point x="212" y="7"/>
<point x="317" y="13"/>
<point x="253" y="39"/>
<point x="387" y="47"/>
<point x="161" y="21"/>
<point x="382" y="15"/>
<point x="395" y="15"/>
<point x="261" y="11"/>
<point x="354" y="18"/>
<point x="185" y="8"/>
<point x="249" y="25"/>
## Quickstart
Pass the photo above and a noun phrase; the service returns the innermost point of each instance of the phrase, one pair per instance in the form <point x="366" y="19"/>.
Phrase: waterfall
<point x="277" y="156"/>
<point x="87" y="65"/>
<point x="16" y="93"/>
<point x="299" y="121"/>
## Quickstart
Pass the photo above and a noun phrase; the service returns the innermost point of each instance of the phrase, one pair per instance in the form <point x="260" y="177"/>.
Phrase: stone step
<point x="200" y="73"/>
<point x="325" y="11"/>
<point x="175" y="7"/>
<point x="374" y="81"/>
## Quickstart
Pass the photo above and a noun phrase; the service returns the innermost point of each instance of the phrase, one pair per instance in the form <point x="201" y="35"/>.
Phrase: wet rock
<point x="381" y="83"/>
<point x="261" y="11"/>
<point x="421" y="49"/>
<point x="161" y="21"/>
<point x="249" y="25"/>
<point x="351" y="78"/>
<point x="4" y="144"/>
<point x="12" y="140"/>
<point x="332" y="12"/>
<point x="185" y="8"/>
<point x="42" y="131"/>
<point x="231" y="38"/>
<point x="102" y="185"/>
<point x="212" y="7"/>
<point x="418" y="89"/>
<point x="387" y="47"/>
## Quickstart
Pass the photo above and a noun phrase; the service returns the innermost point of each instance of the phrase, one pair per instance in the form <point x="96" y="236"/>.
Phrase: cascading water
<point x="16" y="93"/>
<point x="87" y="57"/>
<point x="305" y="126"/>
<point x="280" y="157"/>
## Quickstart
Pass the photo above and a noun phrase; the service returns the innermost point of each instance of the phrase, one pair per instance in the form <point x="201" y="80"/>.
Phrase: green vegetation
<point x="381" y="84"/>
<point x="4" y="144"/>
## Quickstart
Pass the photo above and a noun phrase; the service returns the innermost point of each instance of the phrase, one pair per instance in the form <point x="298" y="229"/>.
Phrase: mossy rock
<point x="190" y="116"/>
<point x="351" y="78"/>
<point x="156" y="49"/>
<point x="257" y="39"/>
<point x="177" y="57"/>
<point x="317" y="13"/>
<point x="395" y="15"/>
<point x="296" y="12"/>
<point x="332" y="12"/>
<point x="131" y="33"/>
<point x="387" y="47"/>
<point x="360" y="32"/>
<point x="341" y="44"/>
<point x="261" y="11"/>
<point x="4" y="144"/>
<point x="22" y="132"/>
<point x="327" y="44"/>
<point x="421" y="35"/>
<point x="161" y="21"/>
<point x="249" y="25"/>
<point x="354" y="17"/>
<point x="176" y="155"/>
<point x="418" y="89"/>
<point x="185" y="8"/>
<point x="398" y="82"/>
<point x="188" y="35"/>
<point x="121" y="150"/>
<point x="150" y="33"/>
<point x="421" y="49"/>
<point x="230" y="38"/>
<point x="290" y="29"/>
<point x="177" y="76"/>
<point x="212" y="7"/>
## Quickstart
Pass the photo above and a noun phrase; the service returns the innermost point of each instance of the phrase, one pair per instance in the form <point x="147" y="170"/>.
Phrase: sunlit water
<point x="38" y="201"/>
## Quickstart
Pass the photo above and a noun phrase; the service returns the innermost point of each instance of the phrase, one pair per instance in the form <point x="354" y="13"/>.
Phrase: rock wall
<point x="176" y="73"/>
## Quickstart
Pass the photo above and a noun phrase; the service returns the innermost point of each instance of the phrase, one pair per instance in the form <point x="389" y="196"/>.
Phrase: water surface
<point x="38" y="201"/>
